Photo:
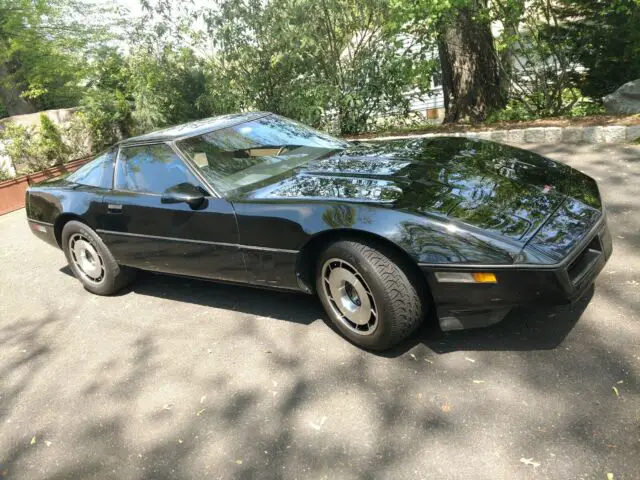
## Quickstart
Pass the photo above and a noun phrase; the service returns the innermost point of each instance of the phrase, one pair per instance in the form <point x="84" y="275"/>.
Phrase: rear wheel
<point x="91" y="261"/>
<point x="370" y="294"/>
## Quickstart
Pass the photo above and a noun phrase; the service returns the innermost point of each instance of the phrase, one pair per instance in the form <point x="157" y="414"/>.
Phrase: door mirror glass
<point x="184" y="193"/>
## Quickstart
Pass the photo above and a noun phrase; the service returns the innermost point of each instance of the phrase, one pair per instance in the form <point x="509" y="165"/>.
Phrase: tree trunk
<point x="470" y="71"/>
<point x="10" y="95"/>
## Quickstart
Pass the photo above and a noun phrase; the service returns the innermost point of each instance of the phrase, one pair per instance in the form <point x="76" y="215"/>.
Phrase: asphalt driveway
<point x="187" y="379"/>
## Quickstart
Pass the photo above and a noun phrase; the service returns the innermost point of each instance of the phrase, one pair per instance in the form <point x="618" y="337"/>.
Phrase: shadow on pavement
<point x="523" y="329"/>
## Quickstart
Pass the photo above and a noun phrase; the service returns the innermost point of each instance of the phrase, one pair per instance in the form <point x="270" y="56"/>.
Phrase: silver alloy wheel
<point x="349" y="296"/>
<point x="86" y="258"/>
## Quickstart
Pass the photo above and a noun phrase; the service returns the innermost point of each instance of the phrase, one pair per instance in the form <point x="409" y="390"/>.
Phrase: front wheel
<point x="91" y="261"/>
<point x="370" y="294"/>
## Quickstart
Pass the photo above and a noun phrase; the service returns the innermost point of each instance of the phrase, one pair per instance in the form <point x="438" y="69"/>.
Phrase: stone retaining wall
<point x="610" y="134"/>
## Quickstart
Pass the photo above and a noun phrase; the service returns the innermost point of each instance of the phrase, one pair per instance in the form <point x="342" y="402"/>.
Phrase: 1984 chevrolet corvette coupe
<point x="382" y="232"/>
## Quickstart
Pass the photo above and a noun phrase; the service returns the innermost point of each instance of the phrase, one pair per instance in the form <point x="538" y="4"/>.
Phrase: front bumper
<point x="516" y="285"/>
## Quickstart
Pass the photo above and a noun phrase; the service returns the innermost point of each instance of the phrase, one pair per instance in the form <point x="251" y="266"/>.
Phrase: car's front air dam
<point x="472" y="305"/>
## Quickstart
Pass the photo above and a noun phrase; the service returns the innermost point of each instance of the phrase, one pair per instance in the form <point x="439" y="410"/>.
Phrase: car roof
<point x="197" y="127"/>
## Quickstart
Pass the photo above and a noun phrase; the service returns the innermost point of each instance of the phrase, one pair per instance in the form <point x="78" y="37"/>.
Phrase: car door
<point x="143" y="231"/>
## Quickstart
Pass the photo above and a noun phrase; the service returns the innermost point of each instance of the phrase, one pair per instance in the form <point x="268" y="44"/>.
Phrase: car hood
<point x="494" y="187"/>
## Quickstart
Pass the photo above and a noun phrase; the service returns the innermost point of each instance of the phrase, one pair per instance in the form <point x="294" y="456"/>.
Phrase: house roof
<point x="194" y="128"/>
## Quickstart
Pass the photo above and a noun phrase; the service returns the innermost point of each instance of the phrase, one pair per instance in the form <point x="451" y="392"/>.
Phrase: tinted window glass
<point x="257" y="150"/>
<point x="151" y="169"/>
<point x="96" y="173"/>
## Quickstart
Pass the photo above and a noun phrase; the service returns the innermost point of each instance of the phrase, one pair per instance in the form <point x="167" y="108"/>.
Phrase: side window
<point x="96" y="173"/>
<point x="151" y="169"/>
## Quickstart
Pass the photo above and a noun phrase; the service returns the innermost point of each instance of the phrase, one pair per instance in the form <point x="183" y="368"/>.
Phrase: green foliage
<point x="17" y="143"/>
<point x="167" y="87"/>
<point x="78" y="136"/>
<point x="348" y="66"/>
<point x="43" y="50"/>
<point x="50" y="146"/>
<point x="606" y="39"/>
<point x="32" y="149"/>
<point x="585" y="107"/>
<point x="108" y="117"/>
<point x="4" y="175"/>
<point x="517" y="111"/>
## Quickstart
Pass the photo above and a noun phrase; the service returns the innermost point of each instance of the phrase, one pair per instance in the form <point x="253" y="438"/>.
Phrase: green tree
<point x="43" y="51"/>
<point x="606" y="37"/>
<point x="472" y="83"/>
<point x="352" y="62"/>
<point x="51" y="147"/>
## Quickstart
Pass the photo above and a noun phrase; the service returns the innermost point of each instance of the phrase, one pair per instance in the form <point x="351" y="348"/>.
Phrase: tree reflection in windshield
<point x="256" y="150"/>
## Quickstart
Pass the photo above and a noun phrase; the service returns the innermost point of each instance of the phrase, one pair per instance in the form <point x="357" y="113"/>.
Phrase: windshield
<point x="255" y="151"/>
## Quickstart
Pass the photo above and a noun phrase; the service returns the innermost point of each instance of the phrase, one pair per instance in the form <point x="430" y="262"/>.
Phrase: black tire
<point x="110" y="276"/>
<point x="393" y="290"/>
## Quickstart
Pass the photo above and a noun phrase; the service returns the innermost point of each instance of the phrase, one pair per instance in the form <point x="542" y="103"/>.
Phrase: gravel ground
<point x="187" y="379"/>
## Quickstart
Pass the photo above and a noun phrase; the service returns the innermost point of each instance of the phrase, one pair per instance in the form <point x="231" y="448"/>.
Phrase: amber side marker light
<point x="466" y="277"/>
<point x="484" y="277"/>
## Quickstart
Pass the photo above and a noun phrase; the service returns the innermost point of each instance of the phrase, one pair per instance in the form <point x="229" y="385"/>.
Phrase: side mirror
<point x="184" y="193"/>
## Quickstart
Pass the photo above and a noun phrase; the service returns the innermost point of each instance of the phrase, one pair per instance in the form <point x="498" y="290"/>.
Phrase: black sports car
<point x="382" y="232"/>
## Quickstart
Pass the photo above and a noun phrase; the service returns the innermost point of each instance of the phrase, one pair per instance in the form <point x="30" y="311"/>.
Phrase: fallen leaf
<point x="469" y="359"/>
<point x="33" y="440"/>
<point x="318" y="426"/>
<point x="610" y="476"/>
<point x="529" y="461"/>
<point x="200" y="412"/>
<point x="445" y="407"/>
<point x="47" y="443"/>
<point x="239" y="462"/>
<point x="478" y="381"/>
<point x="620" y="382"/>
<point x="428" y="361"/>
<point x="203" y="398"/>
<point x="615" y="390"/>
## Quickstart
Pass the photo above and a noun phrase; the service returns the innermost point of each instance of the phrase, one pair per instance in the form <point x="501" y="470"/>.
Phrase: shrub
<point x="4" y="175"/>
<point x="49" y="147"/>
<point x="18" y="142"/>
<point x="77" y="136"/>
<point x="108" y="117"/>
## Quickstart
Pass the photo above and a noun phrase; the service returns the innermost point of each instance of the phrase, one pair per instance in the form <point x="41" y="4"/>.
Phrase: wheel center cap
<point x="351" y="292"/>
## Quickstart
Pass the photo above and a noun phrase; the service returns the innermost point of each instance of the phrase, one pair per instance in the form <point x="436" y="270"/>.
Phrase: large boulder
<point x="625" y="100"/>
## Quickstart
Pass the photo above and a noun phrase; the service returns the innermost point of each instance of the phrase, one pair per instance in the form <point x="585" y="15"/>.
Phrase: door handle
<point x="114" y="208"/>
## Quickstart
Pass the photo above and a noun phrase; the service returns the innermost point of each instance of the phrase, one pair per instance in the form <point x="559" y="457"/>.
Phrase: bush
<point x="107" y="115"/>
<point x="586" y="107"/>
<point x="77" y="136"/>
<point x="576" y="106"/>
<point x="18" y="144"/>
<point x="32" y="150"/>
<point x="4" y="175"/>
<point x="49" y="147"/>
